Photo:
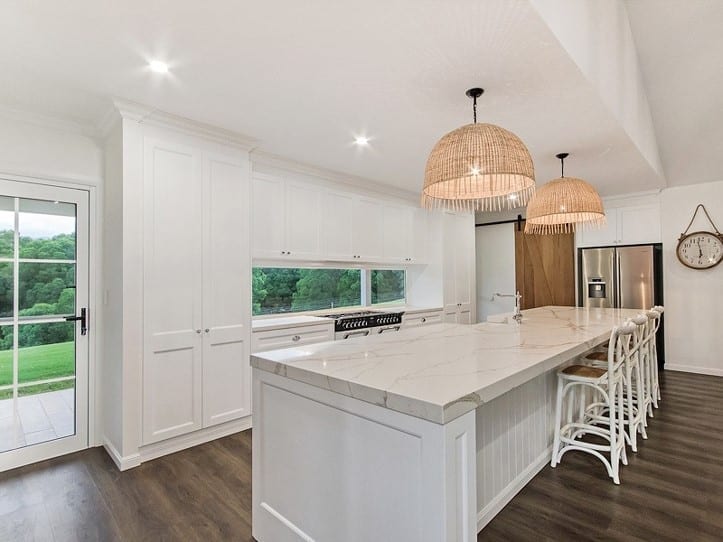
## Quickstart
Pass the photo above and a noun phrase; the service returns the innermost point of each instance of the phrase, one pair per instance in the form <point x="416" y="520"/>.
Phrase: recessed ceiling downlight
<point x="362" y="141"/>
<point x="158" y="67"/>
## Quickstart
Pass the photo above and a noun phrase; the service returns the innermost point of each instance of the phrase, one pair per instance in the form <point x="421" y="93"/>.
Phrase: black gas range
<point x="357" y="323"/>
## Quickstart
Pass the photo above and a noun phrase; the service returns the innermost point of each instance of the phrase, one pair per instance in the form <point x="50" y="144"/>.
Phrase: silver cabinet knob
<point x="207" y="330"/>
<point x="296" y="338"/>
<point x="424" y="320"/>
<point x="198" y="331"/>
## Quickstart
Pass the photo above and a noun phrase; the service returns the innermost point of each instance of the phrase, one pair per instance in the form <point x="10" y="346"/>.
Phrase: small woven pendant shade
<point x="562" y="205"/>
<point x="478" y="167"/>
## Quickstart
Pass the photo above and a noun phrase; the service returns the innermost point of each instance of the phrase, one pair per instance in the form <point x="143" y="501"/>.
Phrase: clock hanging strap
<point x="700" y="206"/>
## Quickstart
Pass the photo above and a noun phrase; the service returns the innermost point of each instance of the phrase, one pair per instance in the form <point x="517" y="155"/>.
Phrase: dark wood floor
<point x="672" y="489"/>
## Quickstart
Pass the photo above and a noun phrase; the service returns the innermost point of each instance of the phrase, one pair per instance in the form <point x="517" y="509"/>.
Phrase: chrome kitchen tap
<point x="518" y="298"/>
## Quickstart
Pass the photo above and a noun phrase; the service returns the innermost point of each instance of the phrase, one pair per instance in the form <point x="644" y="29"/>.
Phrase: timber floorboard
<point x="671" y="490"/>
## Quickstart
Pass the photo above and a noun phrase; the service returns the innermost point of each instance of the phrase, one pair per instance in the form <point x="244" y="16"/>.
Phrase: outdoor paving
<point x="36" y="418"/>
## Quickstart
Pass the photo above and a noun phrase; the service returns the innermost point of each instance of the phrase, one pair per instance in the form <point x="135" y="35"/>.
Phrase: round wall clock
<point x="700" y="249"/>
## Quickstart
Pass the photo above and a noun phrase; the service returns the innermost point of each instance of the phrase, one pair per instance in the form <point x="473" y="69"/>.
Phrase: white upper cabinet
<point x="367" y="229"/>
<point x="196" y="289"/>
<point x="639" y="224"/>
<point x="286" y="217"/>
<point x="419" y="236"/>
<point x="337" y="230"/>
<point x="626" y="225"/>
<point x="267" y="214"/>
<point x="396" y="229"/>
<point x="303" y="221"/>
<point x="297" y="220"/>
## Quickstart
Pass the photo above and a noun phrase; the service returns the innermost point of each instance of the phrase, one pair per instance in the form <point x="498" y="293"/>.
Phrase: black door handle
<point x="83" y="320"/>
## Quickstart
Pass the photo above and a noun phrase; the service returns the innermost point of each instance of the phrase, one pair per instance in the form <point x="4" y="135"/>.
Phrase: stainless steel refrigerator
<point x="622" y="277"/>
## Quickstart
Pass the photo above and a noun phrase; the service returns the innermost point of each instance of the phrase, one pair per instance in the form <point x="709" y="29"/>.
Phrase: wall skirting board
<point x="711" y="371"/>
<point x="122" y="462"/>
<point x="173" y="445"/>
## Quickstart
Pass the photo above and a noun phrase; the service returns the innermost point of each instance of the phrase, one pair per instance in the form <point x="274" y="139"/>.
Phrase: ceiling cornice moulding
<point x="152" y="116"/>
<point x="265" y="158"/>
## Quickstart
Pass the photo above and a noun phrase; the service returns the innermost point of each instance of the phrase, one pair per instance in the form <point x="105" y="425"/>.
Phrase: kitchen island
<point x="423" y="435"/>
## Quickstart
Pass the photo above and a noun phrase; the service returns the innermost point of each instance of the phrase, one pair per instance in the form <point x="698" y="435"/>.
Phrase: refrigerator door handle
<point x="618" y="285"/>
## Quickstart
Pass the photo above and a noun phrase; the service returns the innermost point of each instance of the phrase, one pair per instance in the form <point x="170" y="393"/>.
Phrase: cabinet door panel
<point x="226" y="299"/>
<point x="395" y="233"/>
<point x="226" y="376"/>
<point x="605" y="236"/>
<point x="171" y="391"/>
<point x="367" y="229"/>
<point x="303" y="221"/>
<point x="418" y="236"/>
<point x="639" y="224"/>
<point x="267" y="213"/>
<point x="172" y="291"/>
<point x="337" y="231"/>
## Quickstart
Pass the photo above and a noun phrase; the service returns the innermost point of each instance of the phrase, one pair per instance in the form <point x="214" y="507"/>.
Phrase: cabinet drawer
<point x="288" y="337"/>
<point x="422" y="319"/>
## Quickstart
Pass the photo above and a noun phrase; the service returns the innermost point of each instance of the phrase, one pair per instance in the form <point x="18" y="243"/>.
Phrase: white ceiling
<point x="304" y="77"/>
<point x="680" y="48"/>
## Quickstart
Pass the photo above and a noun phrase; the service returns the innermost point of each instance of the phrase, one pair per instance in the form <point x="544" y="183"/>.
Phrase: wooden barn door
<point x="545" y="268"/>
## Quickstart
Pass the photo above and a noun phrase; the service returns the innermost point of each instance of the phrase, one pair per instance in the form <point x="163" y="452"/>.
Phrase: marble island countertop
<point x="442" y="371"/>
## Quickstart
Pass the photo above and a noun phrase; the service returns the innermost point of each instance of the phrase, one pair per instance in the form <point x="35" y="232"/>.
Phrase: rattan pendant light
<point x="564" y="204"/>
<point x="478" y="167"/>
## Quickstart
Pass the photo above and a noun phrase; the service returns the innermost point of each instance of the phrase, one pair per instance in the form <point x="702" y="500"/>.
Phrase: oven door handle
<point x="363" y="332"/>
<point x="390" y="328"/>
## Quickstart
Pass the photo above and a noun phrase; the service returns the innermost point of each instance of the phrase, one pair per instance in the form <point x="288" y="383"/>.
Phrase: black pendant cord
<point x="474" y="93"/>
<point x="562" y="157"/>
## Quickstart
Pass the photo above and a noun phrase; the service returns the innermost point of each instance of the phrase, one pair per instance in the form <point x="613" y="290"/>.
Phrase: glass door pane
<point x="41" y="280"/>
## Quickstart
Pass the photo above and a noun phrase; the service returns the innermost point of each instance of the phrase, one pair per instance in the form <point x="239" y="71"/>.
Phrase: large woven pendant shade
<point x="478" y="167"/>
<point x="564" y="205"/>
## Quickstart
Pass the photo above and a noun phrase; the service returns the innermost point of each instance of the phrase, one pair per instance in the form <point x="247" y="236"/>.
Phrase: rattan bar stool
<point x="608" y="382"/>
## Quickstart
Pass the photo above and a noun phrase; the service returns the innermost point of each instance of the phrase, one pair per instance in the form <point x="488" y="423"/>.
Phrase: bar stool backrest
<point x="640" y="335"/>
<point x="620" y="348"/>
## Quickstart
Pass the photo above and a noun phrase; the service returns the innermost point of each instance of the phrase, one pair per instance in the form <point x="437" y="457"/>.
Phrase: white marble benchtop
<point x="442" y="371"/>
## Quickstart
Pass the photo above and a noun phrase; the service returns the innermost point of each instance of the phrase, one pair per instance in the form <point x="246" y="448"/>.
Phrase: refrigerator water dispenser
<point x="596" y="288"/>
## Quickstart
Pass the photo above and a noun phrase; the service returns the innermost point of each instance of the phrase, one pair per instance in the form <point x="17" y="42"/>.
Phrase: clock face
<point x="700" y="250"/>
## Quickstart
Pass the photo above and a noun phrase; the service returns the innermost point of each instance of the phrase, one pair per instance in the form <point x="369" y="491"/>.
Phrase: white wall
<point x="31" y="149"/>
<point x="693" y="299"/>
<point x="495" y="253"/>
<point x="597" y="35"/>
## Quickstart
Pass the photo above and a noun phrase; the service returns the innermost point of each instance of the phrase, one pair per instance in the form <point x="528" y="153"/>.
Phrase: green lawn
<point x="39" y="363"/>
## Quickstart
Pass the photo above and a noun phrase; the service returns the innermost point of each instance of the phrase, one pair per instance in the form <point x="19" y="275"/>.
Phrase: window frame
<point x="366" y="284"/>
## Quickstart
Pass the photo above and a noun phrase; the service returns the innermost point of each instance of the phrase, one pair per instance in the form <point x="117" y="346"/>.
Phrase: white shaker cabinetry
<point x="397" y="233"/>
<point x="353" y="227"/>
<point x="286" y="219"/>
<point x="626" y="225"/>
<point x="416" y="319"/>
<point x="289" y="337"/>
<point x="367" y="229"/>
<point x="405" y="234"/>
<point x="196" y="289"/>
<point x="458" y="268"/>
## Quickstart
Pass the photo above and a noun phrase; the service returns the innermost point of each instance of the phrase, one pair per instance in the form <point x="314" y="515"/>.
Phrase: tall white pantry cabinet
<point x="177" y="284"/>
<point x="196" y="289"/>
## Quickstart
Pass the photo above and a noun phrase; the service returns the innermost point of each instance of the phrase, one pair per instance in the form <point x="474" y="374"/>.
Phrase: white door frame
<point x="84" y="197"/>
